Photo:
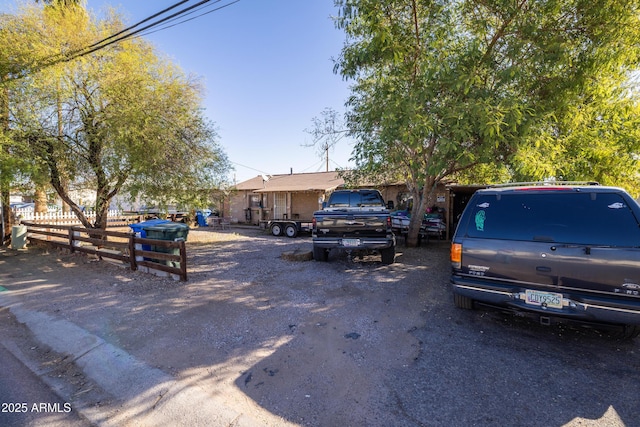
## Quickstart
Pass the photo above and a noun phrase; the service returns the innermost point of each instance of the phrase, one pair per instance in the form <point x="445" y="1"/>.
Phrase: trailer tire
<point x="291" y="230"/>
<point x="276" y="229"/>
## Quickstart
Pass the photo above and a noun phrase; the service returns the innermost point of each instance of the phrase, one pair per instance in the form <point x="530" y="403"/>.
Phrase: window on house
<point x="254" y="201"/>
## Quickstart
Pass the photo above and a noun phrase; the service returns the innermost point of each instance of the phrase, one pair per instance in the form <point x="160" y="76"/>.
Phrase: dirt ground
<point x="349" y="342"/>
<point x="261" y="331"/>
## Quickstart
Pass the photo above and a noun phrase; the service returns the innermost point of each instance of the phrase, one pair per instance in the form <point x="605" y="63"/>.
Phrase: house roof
<point x="318" y="181"/>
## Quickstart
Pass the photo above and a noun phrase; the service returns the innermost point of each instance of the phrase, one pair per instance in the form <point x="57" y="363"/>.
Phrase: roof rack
<point x="543" y="183"/>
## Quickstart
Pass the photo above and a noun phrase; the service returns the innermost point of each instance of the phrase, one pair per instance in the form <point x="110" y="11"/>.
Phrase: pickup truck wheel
<point x="388" y="255"/>
<point x="291" y="230"/>
<point x="276" y="229"/>
<point x="461" y="301"/>
<point x="320" y="254"/>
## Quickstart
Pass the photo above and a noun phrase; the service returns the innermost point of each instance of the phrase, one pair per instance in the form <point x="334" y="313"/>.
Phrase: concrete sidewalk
<point x="146" y="395"/>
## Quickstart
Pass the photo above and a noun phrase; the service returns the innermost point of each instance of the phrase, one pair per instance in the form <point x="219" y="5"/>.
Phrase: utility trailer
<point x="288" y="227"/>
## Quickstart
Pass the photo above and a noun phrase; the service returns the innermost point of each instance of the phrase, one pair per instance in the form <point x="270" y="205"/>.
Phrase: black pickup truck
<point x="356" y="221"/>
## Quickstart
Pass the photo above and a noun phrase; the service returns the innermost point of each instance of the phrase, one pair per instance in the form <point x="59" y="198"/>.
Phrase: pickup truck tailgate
<point x="360" y="225"/>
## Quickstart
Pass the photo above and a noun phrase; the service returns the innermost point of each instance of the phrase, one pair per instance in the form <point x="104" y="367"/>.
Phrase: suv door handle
<point x="543" y="269"/>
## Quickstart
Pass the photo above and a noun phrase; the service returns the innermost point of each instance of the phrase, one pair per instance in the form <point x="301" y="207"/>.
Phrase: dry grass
<point x="204" y="236"/>
<point x="197" y="236"/>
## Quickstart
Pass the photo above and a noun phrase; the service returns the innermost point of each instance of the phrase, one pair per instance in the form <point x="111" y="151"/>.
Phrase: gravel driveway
<point x="342" y="343"/>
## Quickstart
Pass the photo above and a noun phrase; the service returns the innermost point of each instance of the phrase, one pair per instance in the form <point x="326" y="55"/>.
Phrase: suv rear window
<point x="564" y="217"/>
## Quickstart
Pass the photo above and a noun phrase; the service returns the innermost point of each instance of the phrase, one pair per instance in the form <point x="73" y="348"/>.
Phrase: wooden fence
<point x="126" y="247"/>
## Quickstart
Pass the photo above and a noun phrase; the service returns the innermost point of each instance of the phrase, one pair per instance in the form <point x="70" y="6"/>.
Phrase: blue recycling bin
<point x="202" y="221"/>
<point x="138" y="228"/>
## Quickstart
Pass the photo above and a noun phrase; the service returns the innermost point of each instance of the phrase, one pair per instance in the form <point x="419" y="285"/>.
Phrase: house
<point x="290" y="196"/>
<point x="293" y="196"/>
<point x="297" y="196"/>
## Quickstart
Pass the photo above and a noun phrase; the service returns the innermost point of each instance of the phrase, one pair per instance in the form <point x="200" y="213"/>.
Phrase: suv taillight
<point x="456" y="255"/>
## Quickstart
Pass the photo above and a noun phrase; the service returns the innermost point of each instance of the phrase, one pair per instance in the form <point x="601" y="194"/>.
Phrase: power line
<point x="131" y="34"/>
<point x="162" y="12"/>
<point x="248" y="167"/>
<point x="69" y="56"/>
<point x="127" y="33"/>
<point x="190" y="19"/>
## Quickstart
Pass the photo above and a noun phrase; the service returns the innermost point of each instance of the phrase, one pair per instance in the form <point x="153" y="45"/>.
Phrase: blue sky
<point x="267" y="69"/>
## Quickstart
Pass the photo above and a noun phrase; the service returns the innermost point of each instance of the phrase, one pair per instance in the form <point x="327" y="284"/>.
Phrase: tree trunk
<point x="413" y="234"/>
<point x="5" y="187"/>
<point x="420" y="202"/>
<point x="40" y="200"/>
<point x="7" y="217"/>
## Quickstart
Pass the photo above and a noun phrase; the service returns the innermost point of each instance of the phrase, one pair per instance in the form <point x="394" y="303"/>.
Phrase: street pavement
<point x="26" y="400"/>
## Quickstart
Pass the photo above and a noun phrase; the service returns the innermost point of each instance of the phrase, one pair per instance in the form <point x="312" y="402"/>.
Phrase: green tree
<point x="16" y="37"/>
<point x="119" y="120"/>
<point x="594" y="140"/>
<point x="62" y="3"/>
<point x="441" y="88"/>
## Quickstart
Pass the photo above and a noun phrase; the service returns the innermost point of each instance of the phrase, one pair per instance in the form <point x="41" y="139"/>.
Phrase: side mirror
<point x="390" y="205"/>
<point x="324" y="205"/>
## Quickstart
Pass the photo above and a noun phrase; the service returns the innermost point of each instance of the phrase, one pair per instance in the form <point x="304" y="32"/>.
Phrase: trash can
<point x="18" y="236"/>
<point x="138" y="228"/>
<point x="201" y="218"/>
<point x="170" y="231"/>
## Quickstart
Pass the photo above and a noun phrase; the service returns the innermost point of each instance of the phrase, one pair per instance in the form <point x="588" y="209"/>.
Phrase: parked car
<point x="23" y="206"/>
<point x="555" y="252"/>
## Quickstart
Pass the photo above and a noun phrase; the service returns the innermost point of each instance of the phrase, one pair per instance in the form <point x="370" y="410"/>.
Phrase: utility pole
<point x="326" y="150"/>
<point x="327" y="131"/>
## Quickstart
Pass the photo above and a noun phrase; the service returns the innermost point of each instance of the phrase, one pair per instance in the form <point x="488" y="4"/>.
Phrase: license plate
<point x="350" y="242"/>
<point x="544" y="299"/>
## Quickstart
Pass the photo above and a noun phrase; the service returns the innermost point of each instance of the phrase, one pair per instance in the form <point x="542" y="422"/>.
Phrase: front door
<point x="280" y="205"/>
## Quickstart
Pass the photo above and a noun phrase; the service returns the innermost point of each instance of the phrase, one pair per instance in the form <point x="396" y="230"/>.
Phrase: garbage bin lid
<point x="139" y="225"/>
<point x="166" y="226"/>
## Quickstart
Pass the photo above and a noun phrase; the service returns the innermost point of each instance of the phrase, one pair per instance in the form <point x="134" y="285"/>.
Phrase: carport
<point x="459" y="196"/>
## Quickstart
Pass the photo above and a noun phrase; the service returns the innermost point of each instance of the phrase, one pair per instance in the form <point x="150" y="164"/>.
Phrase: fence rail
<point x="125" y="247"/>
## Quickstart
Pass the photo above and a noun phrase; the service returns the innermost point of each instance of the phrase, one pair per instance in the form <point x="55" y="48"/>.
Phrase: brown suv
<point x="555" y="252"/>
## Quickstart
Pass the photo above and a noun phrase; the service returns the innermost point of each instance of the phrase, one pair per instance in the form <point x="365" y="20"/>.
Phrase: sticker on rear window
<point x="616" y="205"/>
<point x="480" y="218"/>
<point x="484" y="205"/>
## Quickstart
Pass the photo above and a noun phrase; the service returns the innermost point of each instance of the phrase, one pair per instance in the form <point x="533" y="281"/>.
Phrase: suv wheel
<point x="463" y="302"/>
